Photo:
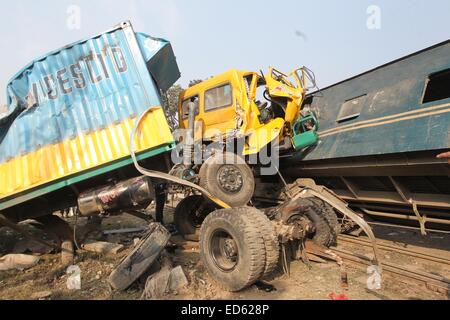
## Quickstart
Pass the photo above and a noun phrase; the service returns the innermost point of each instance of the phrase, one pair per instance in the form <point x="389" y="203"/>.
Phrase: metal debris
<point x="177" y="279"/>
<point x="74" y="279"/>
<point x="67" y="253"/>
<point x="125" y="230"/>
<point x="17" y="261"/>
<point x="103" y="247"/>
<point x="164" y="282"/>
<point x="30" y="246"/>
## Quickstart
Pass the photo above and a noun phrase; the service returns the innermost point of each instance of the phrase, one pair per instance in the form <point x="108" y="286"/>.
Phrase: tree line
<point x="170" y="102"/>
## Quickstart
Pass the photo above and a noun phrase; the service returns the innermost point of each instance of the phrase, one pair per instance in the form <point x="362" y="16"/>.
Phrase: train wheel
<point x="228" y="178"/>
<point x="232" y="249"/>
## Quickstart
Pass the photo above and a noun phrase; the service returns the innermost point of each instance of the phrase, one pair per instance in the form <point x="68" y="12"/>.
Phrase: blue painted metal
<point x="84" y="87"/>
<point x="160" y="60"/>
<point x="393" y="118"/>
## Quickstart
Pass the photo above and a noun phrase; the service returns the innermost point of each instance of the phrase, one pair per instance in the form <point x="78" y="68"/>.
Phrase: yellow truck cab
<point x="227" y="106"/>
<point x="216" y="103"/>
<point x="256" y="110"/>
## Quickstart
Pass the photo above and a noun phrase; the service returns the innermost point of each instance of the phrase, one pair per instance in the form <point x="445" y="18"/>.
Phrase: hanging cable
<point x="165" y="176"/>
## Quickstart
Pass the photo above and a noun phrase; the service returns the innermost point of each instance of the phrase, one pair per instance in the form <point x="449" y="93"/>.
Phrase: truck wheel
<point x="323" y="231"/>
<point x="325" y="210"/>
<point x="228" y="178"/>
<point x="232" y="249"/>
<point x="269" y="235"/>
<point x="189" y="215"/>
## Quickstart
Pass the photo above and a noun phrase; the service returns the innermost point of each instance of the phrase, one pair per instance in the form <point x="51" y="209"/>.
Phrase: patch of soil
<point x="304" y="283"/>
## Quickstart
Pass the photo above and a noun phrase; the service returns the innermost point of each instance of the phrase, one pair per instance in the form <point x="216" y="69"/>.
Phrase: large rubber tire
<point x="267" y="231"/>
<point x="323" y="233"/>
<point x="141" y="258"/>
<point x="325" y="210"/>
<point x="321" y="214"/>
<point x="211" y="170"/>
<point x="248" y="242"/>
<point x="189" y="215"/>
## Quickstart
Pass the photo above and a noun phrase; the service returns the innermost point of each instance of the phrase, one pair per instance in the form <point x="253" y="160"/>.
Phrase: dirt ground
<point x="47" y="280"/>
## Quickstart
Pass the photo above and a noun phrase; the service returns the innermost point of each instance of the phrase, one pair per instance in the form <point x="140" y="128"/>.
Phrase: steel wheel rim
<point x="230" y="178"/>
<point x="224" y="250"/>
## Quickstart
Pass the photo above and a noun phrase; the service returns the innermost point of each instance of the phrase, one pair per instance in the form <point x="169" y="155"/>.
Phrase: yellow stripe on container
<point x="82" y="153"/>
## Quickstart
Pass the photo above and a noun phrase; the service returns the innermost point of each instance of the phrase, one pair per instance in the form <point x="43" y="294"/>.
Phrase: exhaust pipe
<point x="188" y="148"/>
<point x="132" y="194"/>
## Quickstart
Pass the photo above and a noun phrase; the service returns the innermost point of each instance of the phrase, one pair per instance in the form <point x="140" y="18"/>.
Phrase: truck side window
<point x="185" y="106"/>
<point x="218" y="97"/>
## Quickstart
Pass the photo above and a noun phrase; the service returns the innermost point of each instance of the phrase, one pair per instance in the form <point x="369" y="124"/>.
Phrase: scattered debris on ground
<point x="164" y="282"/>
<point x="178" y="273"/>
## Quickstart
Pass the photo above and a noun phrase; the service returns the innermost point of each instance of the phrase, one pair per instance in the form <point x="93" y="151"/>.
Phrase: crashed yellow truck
<point x="85" y="128"/>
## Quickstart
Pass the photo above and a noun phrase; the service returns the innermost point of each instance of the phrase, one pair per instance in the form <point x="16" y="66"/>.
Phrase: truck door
<point x="219" y="112"/>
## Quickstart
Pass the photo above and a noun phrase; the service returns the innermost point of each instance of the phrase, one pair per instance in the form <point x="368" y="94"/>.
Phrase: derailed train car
<point x="380" y="133"/>
<point x="69" y="118"/>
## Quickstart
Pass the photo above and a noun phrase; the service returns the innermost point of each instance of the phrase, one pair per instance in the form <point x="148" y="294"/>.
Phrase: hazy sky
<point x="209" y="37"/>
